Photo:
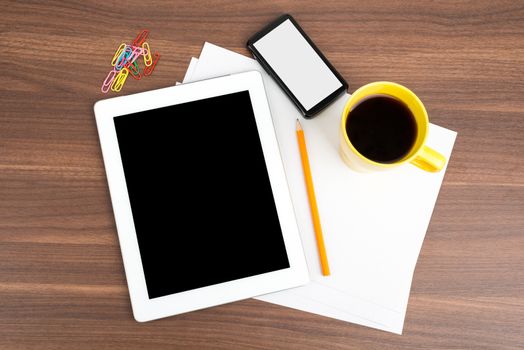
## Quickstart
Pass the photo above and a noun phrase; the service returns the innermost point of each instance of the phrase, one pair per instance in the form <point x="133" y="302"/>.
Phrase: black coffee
<point x="382" y="128"/>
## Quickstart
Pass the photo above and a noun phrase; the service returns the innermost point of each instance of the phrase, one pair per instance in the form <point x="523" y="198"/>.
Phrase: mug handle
<point x="429" y="160"/>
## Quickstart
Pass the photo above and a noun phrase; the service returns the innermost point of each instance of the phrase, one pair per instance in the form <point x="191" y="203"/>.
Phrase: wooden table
<point x="62" y="284"/>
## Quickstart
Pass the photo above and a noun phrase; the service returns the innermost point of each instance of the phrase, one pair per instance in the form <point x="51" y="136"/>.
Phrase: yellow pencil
<point x="312" y="200"/>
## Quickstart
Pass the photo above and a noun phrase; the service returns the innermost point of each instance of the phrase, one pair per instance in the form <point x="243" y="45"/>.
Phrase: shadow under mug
<point x="419" y="155"/>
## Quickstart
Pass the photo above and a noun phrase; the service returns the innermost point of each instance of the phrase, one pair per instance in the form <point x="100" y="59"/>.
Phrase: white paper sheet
<point x="374" y="224"/>
<point x="190" y="69"/>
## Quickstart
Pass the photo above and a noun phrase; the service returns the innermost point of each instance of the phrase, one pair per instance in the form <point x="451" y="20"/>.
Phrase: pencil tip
<point x="299" y="127"/>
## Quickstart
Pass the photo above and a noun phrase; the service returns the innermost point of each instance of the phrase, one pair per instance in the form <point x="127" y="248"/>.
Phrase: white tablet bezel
<point x="145" y="309"/>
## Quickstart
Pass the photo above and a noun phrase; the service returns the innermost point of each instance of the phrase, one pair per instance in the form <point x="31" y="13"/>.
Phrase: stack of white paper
<point x="374" y="224"/>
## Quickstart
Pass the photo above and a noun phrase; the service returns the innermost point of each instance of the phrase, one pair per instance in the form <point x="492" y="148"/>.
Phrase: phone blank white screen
<point x="297" y="64"/>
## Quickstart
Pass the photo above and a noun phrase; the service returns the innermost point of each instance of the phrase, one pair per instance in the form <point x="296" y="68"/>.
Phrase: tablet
<point x="201" y="203"/>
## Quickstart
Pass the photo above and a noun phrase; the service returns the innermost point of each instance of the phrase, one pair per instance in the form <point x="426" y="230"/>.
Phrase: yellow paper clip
<point x="148" y="59"/>
<point x="120" y="79"/>
<point x="118" y="53"/>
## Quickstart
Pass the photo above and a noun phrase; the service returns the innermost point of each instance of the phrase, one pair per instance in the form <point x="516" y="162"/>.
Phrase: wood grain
<point x="61" y="276"/>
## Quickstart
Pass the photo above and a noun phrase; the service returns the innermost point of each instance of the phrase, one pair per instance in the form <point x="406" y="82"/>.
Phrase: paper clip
<point x="118" y="53"/>
<point x="120" y="61"/>
<point x="137" y="52"/>
<point x="148" y="60"/>
<point x="124" y="57"/>
<point x="135" y="70"/>
<point x="139" y="48"/>
<point x="149" y="69"/>
<point x="121" y="57"/>
<point x="136" y="76"/>
<point x="125" y="62"/>
<point x="141" y="37"/>
<point x="108" y="81"/>
<point x="119" y="80"/>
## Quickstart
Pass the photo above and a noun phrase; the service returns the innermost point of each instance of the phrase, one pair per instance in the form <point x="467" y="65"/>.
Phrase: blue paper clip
<point x="124" y="57"/>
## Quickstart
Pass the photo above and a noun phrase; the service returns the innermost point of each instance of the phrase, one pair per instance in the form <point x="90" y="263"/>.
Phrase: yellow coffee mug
<point x="420" y="155"/>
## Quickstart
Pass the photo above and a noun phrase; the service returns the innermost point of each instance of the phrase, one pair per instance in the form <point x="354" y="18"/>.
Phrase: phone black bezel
<point x="258" y="56"/>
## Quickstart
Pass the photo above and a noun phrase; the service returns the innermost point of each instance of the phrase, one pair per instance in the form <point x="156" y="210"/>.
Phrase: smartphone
<point x="297" y="65"/>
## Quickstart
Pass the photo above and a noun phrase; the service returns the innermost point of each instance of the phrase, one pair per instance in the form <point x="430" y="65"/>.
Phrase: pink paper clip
<point x="137" y="52"/>
<point x="141" y="37"/>
<point x="149" y="69"/>
<point x="137" y="48"/>
<point x="106" y="85"/>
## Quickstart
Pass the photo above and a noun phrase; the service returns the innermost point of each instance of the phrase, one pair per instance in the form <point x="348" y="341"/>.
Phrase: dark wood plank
<point x="61" y="277"/>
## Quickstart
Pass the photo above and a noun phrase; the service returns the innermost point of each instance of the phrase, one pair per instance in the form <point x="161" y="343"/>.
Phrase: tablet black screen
<point x="200" y="194"/>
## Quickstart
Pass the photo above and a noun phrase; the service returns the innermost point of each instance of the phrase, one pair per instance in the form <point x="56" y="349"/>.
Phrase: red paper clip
<point x="141" y="37"/>
<point x="136" y="76"/>
<point x="135" y="71"/>
<point x="149" y="69"/>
